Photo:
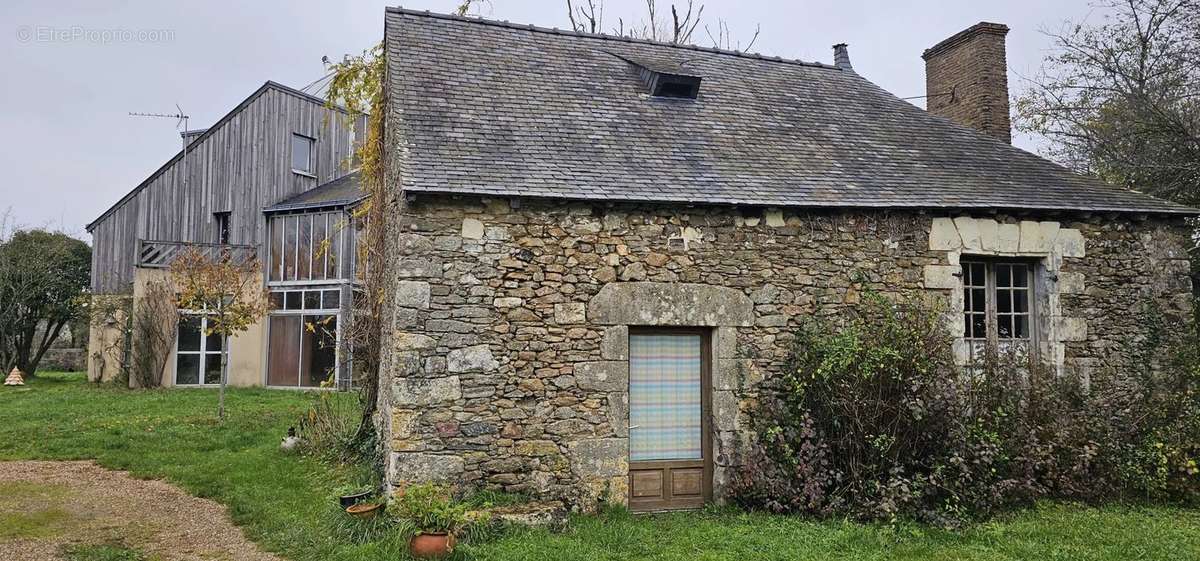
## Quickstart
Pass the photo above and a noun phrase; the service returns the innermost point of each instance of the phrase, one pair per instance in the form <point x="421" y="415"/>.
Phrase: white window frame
<point x="203" y="352"/>
<point x="311" y="170"/>
<point x="320" y="311"/>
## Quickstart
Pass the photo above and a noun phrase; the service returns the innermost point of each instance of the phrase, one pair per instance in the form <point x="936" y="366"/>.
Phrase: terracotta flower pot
<point x="369" y="510"/>
<point x="431" y="546"/>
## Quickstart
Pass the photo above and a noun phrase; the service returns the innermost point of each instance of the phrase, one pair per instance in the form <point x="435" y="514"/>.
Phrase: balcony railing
<point x="156" y="254"/>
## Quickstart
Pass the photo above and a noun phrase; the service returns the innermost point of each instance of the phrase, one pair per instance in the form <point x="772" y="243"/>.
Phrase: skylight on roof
<point x="675" y="85"/>
<point x="664" y="78"/>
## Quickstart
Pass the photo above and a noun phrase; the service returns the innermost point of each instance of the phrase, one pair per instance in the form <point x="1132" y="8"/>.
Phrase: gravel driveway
<point x="46" y="507"/>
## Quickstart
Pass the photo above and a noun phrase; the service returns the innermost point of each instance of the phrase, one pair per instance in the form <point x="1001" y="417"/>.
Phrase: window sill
<point x="304" y="173"/>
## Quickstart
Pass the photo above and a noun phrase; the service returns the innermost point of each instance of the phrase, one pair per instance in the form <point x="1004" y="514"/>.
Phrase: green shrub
<point x="872" y="419"/>
<point x="332" y="429"/>
<point x="430" y="508"/>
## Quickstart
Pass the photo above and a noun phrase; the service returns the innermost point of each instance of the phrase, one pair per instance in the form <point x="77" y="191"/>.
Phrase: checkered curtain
<point x="664" y="397"/>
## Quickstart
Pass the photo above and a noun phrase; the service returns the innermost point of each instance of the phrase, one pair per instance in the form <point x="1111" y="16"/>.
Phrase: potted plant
<point x="350" y="495"/>
<point x="435" y="517"/>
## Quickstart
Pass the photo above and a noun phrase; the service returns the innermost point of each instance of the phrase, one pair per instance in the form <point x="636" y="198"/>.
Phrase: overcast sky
<point x="76" y="68"/>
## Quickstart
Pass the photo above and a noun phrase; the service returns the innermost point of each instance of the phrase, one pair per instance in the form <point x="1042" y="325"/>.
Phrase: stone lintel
<point x="657" y="303"/>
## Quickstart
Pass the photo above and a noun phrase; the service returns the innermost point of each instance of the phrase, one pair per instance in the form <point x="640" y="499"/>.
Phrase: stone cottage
<point x="602" y="245"/>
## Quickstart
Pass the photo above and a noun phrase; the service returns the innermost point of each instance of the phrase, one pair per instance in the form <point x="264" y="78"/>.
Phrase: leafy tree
<point x="1120" y="97"/>
<point x="227" y="291"/>
<point x="43" y="282"/>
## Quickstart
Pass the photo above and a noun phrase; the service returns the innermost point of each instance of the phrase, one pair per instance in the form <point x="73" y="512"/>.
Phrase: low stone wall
<point x="506" y="365"/>
<point x="64" y="360"/>
<point x="106" y="336"/>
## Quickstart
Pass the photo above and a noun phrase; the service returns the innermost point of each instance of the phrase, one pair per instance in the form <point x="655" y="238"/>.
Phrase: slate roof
<point x="342" y="191"/>
<point x="492" y="108"/>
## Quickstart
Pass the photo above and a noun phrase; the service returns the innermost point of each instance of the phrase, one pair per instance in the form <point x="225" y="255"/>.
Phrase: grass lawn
<point x="282" y="503"/>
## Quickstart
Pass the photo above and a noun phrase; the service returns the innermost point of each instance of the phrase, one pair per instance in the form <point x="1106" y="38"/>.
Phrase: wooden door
<point x="669" y="446"/>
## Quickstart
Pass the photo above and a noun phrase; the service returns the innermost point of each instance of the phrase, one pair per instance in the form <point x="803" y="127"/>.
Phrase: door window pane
<point x="318" y="354"/>
<point x="283" y="351"/>
<point x="289" y="247"/>
<point x="331" y="299"/>
<point x="336" y="225"/>
<point x="212" y="368"/>
<point x="276" y="248"/>
<point x="1003" y="276"/>
<point x="293" y="300"/>
<point x="304" y="243"/>
<point x="213" y="343"/>
<point x="1021" y="327"/>
<point x="312" y="300"/>
<point x="664" y="397"/>
<point x="319" y="247"/>
<point x="189" y="333"/>
<point x="187" y="369"/>
<point x="997" y="301"/>
<point x="1021" y="302"/>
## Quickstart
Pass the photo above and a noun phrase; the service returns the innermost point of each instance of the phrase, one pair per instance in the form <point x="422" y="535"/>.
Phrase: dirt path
<point x="46" y="507"/>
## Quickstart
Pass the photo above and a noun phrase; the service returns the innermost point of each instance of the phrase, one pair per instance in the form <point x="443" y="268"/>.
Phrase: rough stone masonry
<point x="506" y="361"/>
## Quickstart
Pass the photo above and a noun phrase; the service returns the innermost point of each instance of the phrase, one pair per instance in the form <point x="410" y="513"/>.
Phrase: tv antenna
<point x="181" y="119"/>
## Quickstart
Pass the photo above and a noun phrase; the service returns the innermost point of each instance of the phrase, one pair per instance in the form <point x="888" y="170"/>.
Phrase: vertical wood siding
<point x="241" y="167"/>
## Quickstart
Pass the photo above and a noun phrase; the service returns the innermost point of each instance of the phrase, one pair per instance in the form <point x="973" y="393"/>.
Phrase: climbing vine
<point x="357" y="86"/>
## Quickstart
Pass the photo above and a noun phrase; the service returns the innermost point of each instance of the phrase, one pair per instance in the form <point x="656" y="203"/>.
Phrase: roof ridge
<point x="616" y="38"/>
<point x="267" y="85"/>
<point x="307" y="96"/>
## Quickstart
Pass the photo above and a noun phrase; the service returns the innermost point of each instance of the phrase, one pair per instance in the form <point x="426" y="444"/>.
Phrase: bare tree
<point x="587" y="16"/>
<point x="1120" y="98"/>
<point x="154" y="328"/>
<point x="464" y="8"/>
<point x="724" y="39"/>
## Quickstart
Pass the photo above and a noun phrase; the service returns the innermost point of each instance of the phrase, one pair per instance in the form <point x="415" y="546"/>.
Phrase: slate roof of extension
<point x="342" y="191"/>
<point x="499" y="109"/>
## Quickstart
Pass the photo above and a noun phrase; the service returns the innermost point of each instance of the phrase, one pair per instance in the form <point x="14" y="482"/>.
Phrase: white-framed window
<point x="197" y="356"/>
<point x="304" y="338"/>
<point x="302" y="154"/>
<point x="998" y="301"/>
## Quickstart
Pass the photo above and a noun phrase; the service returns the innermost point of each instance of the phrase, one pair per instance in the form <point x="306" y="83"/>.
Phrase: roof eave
<point x="1180" y="211"/>
<point x="341" y="203"/>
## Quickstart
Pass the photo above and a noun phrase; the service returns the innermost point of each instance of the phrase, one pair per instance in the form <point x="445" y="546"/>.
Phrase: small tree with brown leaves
<point x="227" y="291"/>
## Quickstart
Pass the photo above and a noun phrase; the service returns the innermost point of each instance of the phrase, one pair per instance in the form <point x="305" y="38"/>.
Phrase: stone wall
<point x="506" y="365"/>
<point x="106" y="336"/>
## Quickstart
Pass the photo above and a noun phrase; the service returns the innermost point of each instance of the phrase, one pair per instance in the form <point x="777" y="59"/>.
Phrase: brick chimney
<point x="966" y="79"/>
